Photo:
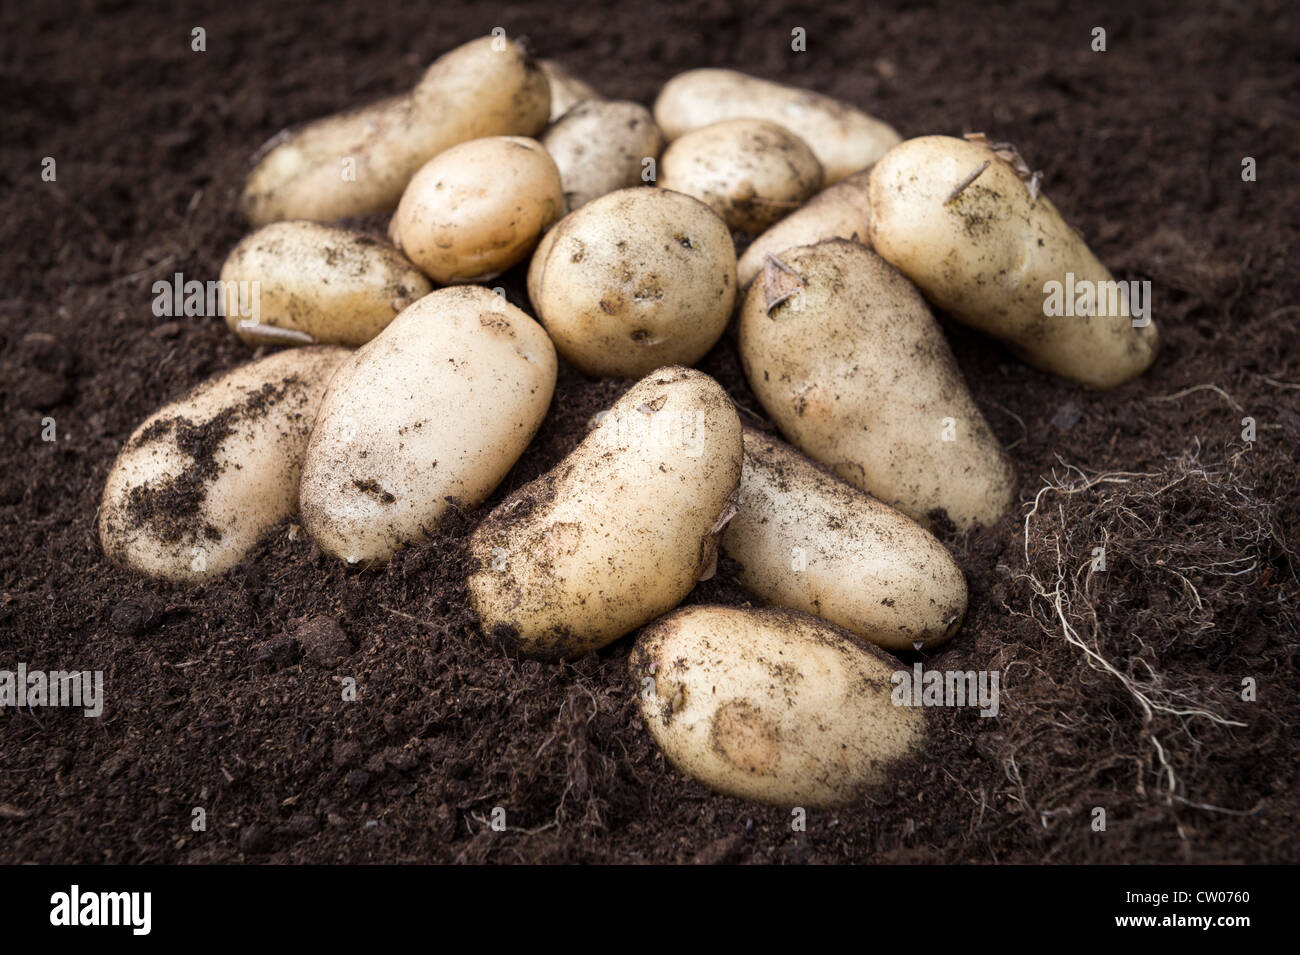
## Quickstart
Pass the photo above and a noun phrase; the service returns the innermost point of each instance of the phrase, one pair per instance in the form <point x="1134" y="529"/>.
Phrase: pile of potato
<point x="416" y="388"/>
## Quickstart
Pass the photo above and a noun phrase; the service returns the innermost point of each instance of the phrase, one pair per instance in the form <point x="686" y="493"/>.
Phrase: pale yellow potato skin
<point x="470" y="92"/>
<point x="475" y="210"/>
<point x="856" y="373"/>
<point x="749" y="171"/>
<point x="170" y="512"/>
<point x="330" y="285"/>
<point x="432" y="413"/>
<point x="772" y="705"/>
<point x="985" y="256"/>
<point x="620" y="530"/>
<point x="811" y="542"/>
<point x="567" y="91"/>
<point x="844" y="138"/>
<point x="841" y="211"/>
<point x="635" y="280"/>
<point x="600" y="146"/>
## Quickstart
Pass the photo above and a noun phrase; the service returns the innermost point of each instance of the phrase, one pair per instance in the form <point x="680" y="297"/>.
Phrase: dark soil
<point x="229" y="696"/>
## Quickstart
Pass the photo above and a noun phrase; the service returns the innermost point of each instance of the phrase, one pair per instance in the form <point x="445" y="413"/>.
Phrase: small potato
<point x="633" y="281"/>
<point x="620" y="530"/>
<point x="478" y="208"/>
<point x="810" y="542"/>
<point x="319" y="283"/>
<point x="432" y="413"/>
<point x="567" y="91"/>
<point x="839" y="212"/>
<point x="772" y="705"/>
<point x="844" y="138"/>
<point x="359" y="162"/>
<point x="845" y="356"/>
<point x="600" y="146"/>
<point x="748" y="171"/>
<point x="202" y="480"/>
<point x="987" y="253"/>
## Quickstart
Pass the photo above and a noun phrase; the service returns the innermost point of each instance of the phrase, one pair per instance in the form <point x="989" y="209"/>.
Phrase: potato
<point x="600" y="146"/>
<point x="359" y="162"/>
<point x="845" y="356"/>
<point x="986" y="252"/>
<point x="813" y="543"/>
<point x="635" y="280"/>
<point x="430" y="414"/>
<point x="475" y="210"/>
<point x="620" y="530"/>
<point x="318" y="283"/>
<point x="772" y="705"/>
<point x="202" y="480"/>
<point x="844" y="138"/>
<point x="839" y="212"/>
<point x="567" y="91"/>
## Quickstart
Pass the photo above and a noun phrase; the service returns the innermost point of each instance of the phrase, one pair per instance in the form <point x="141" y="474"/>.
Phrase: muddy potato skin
<point x="619" y="531"/>
<point x="856" y="373"/>
<point x="810" y="542"/>
<point x="475" y="210"/>
<point x="320" y="284"/>
<point x="843" y="138"/>
<point x="567" y="91"/>
<point x="635" y="280"/>
<point x="986" y="255"/>
<point x="600" y="145"/>
<point x="203" y="479"/>
<point x="771" y="705"/>
<point x="471" y="92"/>
<point x="432" y="412"/>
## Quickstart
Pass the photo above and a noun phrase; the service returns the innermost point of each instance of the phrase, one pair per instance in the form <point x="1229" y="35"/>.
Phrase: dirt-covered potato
<point x="567" y="91"/>
<point x="844" y="138"/>
<point x="205" y="478"/>
<point x="749" y="171"/>
<point x="319" y="284"/>
<point x="475" y="210"/>
<point x="845" y="356"/>
<point x="635" y="280"/>
<point x="810" y="542"/>
<point x="838" y="212"/>
<point x="986" y="250"/>
<point x="772" y="705"/>
<point x="600" y="146"/>
<point x="430" y="414"/>
<point x="620" y="530"/>
<point x="359" y="162"/>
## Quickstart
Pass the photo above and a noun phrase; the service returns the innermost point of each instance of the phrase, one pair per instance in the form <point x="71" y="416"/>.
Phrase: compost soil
<point x="1127" y="690"/>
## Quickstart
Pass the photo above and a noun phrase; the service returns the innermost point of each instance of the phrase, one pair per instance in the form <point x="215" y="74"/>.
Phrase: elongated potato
<point x="360" y="161"/>
<point x="319" y="284"/>
<point x="844" y="138"/>
<point x="600" y="146"/>
<point x="205" y="478"/>
<point x="430" y="414"/>
<point x="986" y="253"/>
<point x="567" y="91"/>
<point x="749" y="171"/>
<point x="772" y="705"/>
<point x="847" y="359"/>
<point x="813" y="543"/>
<point x="620" y="530"/>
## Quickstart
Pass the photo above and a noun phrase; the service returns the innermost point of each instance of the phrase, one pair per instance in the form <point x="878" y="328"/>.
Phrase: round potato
<point x="813" y="543"/>
<point x="475" y="210"/>
<point x="620" y="530"/>
<point x="318" y="284"/>
<point x="205" y="478"/>
<point x="845" y="356"/>
<point x="844" y="138"/>
<point x="989" y="250"/>
<point x="567" y="91"/>
<point x="635" y="280"/>
<point x="772" y="705"/>
<point x="749" y="171"/>
<point x="430" y="414"/>
<point x="600" y="146"/>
